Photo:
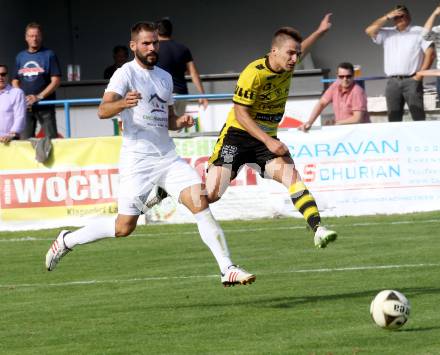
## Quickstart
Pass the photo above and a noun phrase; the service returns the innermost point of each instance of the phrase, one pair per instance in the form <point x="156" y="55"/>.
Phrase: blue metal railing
<point x="360" y="80"/>
<point x="69" y="102"/>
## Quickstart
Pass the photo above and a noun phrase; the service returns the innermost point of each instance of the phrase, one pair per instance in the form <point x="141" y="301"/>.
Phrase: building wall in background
<point x="223" y="36"/>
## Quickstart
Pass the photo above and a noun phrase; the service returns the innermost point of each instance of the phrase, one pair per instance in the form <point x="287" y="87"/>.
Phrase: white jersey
<point x="145" y="125"/>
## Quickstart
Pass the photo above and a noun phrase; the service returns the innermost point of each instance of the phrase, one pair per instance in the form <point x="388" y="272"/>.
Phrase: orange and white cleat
<point x="235" y="275"/>
<point x="56" y="251"/>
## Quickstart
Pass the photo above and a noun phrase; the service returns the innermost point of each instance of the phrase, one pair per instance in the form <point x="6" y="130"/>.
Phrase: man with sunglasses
<point x="12" y="108"/>
<point x="405" y="53"/>
<point x="348" y="99"/>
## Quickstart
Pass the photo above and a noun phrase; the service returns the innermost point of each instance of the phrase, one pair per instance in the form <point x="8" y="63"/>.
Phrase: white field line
<point x="168" y="278"/>
<point x="239" y="230"/>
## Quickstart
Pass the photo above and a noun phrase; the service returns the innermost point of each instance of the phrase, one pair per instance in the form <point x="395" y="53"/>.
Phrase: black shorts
<point x="236" y="147"/>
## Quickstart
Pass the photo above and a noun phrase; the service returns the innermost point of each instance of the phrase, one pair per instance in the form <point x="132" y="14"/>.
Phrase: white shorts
<point x="136" y="184"/>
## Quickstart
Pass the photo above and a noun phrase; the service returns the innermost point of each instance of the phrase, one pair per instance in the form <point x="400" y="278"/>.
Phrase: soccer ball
<point x="390" y="309"/>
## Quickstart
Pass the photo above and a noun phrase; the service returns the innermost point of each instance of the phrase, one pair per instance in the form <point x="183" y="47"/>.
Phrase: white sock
<point x="212" y="235"/>
<point x="98" y="229"/>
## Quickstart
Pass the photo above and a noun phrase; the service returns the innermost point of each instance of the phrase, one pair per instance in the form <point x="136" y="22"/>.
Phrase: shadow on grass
<point x="426" y="329"/>
<point x="290" y="302"/>
<point x="294" y="301"/>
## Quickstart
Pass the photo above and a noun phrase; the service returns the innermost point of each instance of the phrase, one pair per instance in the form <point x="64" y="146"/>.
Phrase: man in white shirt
<point x="142" y="94"/>
<point x="405" y="53"/>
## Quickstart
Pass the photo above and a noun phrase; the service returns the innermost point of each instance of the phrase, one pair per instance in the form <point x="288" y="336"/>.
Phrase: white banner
<point x="364" y="169"/>
<point x="351" y="170"/>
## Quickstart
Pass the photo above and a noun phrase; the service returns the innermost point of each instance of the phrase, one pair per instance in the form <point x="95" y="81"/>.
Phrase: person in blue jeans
<point x="38" y="74"/>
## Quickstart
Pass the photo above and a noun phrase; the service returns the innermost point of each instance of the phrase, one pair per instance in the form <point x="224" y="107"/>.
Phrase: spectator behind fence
<point x="349" y="100"/>
<point x="405" y="53"/>
<point x="38" y="73"/>
<point x="12" y="108"/>
<point x="120" y="57"/>
<point x="431" y="33"/>
<point x="176" y="59"/>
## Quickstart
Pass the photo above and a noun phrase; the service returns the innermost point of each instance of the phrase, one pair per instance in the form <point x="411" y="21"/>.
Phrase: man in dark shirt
<point x="176" y="59"/>
<point x="38" y="74"/>
<point x="120" y="57"/>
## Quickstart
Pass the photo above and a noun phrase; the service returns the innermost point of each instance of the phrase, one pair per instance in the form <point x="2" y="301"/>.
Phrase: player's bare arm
<point x="323" y="27"/>
<point x="245" y="119"/>
<point x="178" y="122"/>
<point x="113" y="103"/>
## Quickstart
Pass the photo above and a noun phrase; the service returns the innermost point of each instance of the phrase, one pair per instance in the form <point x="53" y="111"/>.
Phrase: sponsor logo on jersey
<point x="246" y="94"/>
<point x="265" y="96"/>
<point x="158" y="103"/>
<point x="276" y="118"/>
<point x="279" y="106"/>
<point x="228" y="152"/>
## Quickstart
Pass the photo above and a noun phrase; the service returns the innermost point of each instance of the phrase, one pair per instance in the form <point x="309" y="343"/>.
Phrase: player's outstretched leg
<point x="94" y="231"/>
<point x="57" y="250"/>
<point x="304" y="201"/>
<point x="213" y="236"/>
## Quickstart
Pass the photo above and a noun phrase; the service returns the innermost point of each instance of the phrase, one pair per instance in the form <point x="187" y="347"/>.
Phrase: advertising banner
<point x="79" y="180"/>
<point x="351" y="170"/>
<point x="362" y="169"/>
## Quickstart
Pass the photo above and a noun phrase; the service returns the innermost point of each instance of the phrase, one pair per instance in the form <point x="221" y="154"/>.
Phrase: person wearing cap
<point x="405" y="53"/>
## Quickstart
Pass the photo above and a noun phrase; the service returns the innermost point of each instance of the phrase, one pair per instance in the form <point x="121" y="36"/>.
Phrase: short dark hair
<point x="4" y="66"/>
<point x="142" y="26"/>
<point x="120" y="48"/>
<point x="286" y="32"/>
<point x="402" y="8"/>
<point x="33" y="25"/>
<point x="164" y="27"/>
<point x="347" y="66"/>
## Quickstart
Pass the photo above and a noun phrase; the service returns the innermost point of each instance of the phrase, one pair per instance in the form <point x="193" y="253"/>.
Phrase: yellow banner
<point x="79" y="179"/>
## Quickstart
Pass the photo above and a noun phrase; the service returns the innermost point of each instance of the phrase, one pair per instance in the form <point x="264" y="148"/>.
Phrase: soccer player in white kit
<point x="142" y="94"/>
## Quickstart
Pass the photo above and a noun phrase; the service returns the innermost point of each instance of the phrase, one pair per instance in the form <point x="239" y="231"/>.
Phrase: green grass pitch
<point x="159" y="291"/>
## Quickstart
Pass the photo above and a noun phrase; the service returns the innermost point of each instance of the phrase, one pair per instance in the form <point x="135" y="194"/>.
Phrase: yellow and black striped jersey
<point x="265" y="92"/>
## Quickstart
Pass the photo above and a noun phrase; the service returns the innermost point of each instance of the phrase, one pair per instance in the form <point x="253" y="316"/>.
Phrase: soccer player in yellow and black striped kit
<point x="249" y="135"/>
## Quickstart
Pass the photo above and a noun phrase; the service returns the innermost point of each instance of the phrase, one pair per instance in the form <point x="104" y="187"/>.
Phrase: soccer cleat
<point x="56" y="251"/>
<point x="323" y="236"/>
<point x="156" y="195"/>
<point x="235" y="275"/>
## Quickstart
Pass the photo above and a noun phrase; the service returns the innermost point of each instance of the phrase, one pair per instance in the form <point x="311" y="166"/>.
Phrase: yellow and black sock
<point x="305" y="203"/>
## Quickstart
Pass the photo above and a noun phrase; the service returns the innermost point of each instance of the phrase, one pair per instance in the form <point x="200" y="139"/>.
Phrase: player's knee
<point x="124" y="230"/>
<point x="212" y="196"/>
